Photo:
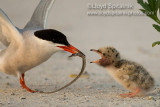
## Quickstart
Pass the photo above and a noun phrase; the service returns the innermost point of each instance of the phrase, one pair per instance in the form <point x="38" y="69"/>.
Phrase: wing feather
<point x="39" y="17"/>
<point x="8" y="32"/>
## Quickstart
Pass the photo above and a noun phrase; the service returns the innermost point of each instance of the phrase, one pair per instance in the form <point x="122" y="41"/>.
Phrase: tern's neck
<point x="39" y="47"/>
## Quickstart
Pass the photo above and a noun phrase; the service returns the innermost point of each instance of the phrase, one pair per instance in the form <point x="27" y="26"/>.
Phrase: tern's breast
<point x="35" y="52"/>
<point x="32" y="53"/>
<point x="20" y="59"/>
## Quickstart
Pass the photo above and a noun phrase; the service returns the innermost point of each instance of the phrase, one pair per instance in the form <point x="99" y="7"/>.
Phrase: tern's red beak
<point x="70" y="49"/>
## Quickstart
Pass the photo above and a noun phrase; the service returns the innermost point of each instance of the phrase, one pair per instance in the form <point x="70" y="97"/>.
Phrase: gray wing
<point x="39" y="17"/>
<point x="8" y="32"/>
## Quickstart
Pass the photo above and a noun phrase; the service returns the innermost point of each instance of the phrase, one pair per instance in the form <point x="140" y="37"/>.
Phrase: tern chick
<point x="32" y="45"/>
<point x="129" y="74"/>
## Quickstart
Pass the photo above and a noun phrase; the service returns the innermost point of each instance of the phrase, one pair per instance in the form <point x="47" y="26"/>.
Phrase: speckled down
<point x="136" y="73"/>
<point x="130" y="74"/>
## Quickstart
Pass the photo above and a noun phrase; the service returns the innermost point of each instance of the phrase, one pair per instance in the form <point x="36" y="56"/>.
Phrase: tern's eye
<point x="104" y="54"/>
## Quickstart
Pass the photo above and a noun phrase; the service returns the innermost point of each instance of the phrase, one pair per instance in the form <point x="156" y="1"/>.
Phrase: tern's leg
<point x="22" y="82"/>
<point x="23" y="79"/>
<point x="131" y="94"/>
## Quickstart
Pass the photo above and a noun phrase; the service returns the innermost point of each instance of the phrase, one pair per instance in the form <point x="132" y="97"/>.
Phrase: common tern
<point x="32" y="45"/>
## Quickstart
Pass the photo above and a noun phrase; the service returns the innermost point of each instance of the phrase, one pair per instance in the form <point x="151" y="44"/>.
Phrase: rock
<point x="98" y="88"/>
<point x="7" y="83"/>
<point x="88" y="87"/>
<point x="113" y="86"/>
<point x="12" y="93"/>
<point x="22" y="98"/>
<point x="151" y="98"/>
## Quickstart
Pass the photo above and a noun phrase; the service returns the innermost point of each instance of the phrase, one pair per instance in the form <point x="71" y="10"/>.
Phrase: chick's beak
<point x="97" y="51"/>
<point x="70" y="49"/>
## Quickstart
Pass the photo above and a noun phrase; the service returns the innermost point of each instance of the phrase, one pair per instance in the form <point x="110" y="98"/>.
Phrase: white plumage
<point x="25" y="50"/>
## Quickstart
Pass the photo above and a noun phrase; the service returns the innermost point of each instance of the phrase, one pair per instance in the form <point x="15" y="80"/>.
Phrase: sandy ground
<point x="131" y="35"/>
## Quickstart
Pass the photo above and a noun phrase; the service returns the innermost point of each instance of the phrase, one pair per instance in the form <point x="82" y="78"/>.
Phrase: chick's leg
<point x="134" y="93"/>
<point x="125" y="94"/>
<point x="22" y="82"/>
<point x="131" y="94"/>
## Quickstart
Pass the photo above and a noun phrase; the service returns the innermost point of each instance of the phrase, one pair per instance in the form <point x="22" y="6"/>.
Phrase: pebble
<point x="86" y="96"/>
<point x="42" y="95"/>
<point x="151" y="98"/>
<point x="23" y="98"/>
<point x="117" y="103"/>
<point x="87" y="101"/>
<point x="113" y="86"/>
<point x="46" y="78"/>
<point x="98" y="88"/>
<point x="88" y="87"/>
<point x="64" y="98"/>
<point x="7" y="83"/>
<point x="12" y="93"/>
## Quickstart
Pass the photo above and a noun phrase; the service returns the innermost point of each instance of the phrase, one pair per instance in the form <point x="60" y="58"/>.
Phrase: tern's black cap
<point x="52" y="35"/>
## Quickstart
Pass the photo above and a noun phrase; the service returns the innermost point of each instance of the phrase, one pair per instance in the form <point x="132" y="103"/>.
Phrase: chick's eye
<point x="104" y="54"/>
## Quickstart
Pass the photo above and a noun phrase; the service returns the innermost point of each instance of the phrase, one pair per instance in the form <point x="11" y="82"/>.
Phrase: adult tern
<point x="32" y="45"/>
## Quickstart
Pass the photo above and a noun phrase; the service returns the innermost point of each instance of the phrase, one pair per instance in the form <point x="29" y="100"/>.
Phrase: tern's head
<point x="56" y="39"/>
<point x="109" y="56"/>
